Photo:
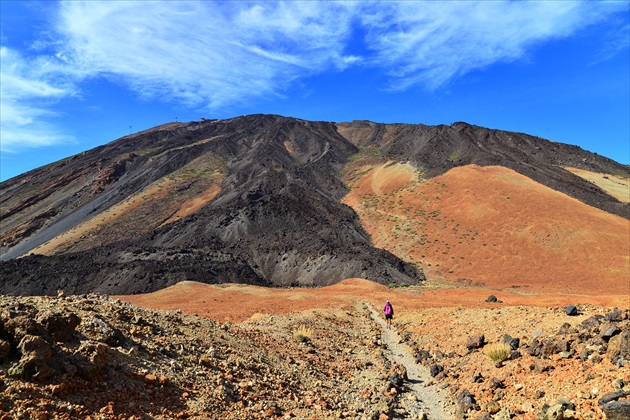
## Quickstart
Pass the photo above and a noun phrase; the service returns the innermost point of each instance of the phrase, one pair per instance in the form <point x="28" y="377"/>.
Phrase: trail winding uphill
<point x="424" y="397"/>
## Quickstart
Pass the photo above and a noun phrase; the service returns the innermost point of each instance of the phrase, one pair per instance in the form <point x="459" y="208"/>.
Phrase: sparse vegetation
<point x="454" y="157"/>
<point x="303" y="334"/>
<point x="498" y="352"/>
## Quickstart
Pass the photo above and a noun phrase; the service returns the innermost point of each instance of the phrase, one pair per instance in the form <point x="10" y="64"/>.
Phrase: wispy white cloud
<point x="433" y="43"/>
<point x="213" y="54"/>
<point x="205" y="53"/>
<point x="27" y="90"/>
<point x="208" y="54"/>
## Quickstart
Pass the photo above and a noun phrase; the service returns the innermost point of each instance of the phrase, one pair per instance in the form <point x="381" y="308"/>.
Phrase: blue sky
<point x="76" y="75"/>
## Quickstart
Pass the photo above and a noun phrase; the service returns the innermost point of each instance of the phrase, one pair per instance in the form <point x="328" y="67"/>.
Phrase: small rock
<point x="618" y="384"/>
<point x="617" y="410"/>
<point x="608" y="330"/>
<point x="104" y="332"/>
<point x="422" y="355"/>
<point x="566" y="403"/>
<point x="612" y="396"/>
<point x="466" y="401"/>
<point x="60" y="327"/>
<point x="571" y="310"/>
<point x="495" y="383"/>
<point x="504" y="414"/>
<point x="435" y="369"/>
<point x="5" y="349"/>
<point x="491" y="299"/>
<point x="591" y="322"/>
<point x="538" y="333"/>
<point x="555" y="412"/>
<point x="615" y="316"/>
<point x="205" y="360"/>
<point x="475" y="342"/>
<point x="619" y="346"/>
<point x="565" y="329"/>
<point x="396" y="380"/>
<point x="514" y="343"/>
<point x="492" y="407"/>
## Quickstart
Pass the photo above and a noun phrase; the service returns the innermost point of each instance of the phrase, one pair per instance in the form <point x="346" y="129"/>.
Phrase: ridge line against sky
<point x="75" y="75"/>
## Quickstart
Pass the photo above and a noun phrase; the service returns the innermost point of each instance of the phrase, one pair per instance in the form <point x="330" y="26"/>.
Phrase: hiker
<point x="389" y="314"/>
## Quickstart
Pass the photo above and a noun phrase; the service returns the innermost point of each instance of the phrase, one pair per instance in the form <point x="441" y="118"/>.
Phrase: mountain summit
<point x="259" y="199"/>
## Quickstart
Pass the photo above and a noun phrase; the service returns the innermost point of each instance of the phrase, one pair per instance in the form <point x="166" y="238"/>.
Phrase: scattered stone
<point x="613" y="396"/>
<point x="618" y="384"/>
<point x="566" y="403"/>
<point x="476" y="341"/>
<point x="492" y="407"/>
<point x="422" y="356"/>
<point x="21" y="325"/>
<point x="466" y="401"/>
<point x="514" y="343"/>
<point x="619" y="346"/>
<point x="527" y="407"/>
<point x="5" y="349"/>
<point x="491" y="299"/>
<point x="104" y="332"/>
<point x="615" y="316"/>
<point x="565" y="329"/>
<point x="571" y="310"/>
<point x="396" y="380"/>
<point x="591" y="322"/>
<point x="617" y="410"/>
<point x="34" y="363"/>
<point x="435" y="369"/>
<point x="60" y="327"/>
<point x="495" y="383"/>
<point x="554" y="412"/>
<point x="90" y="358"/>
<point x="538" y="333"/>
<point x="608" y="330"/>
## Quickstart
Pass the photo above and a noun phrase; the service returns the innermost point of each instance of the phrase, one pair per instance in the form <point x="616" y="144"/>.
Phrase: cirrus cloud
<point x="206" y="55"/>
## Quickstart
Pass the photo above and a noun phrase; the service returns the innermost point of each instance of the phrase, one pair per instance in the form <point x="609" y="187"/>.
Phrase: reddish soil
<point x="439" y="318"/>
<point x="494" y="227"/>
<point x="237" y="302"/>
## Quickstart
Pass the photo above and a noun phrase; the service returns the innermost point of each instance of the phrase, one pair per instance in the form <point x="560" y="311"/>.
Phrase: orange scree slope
<point x="492" y="226"/>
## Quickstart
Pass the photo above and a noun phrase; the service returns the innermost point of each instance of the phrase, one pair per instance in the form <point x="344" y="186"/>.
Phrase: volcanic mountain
<point x="276" y="201"/>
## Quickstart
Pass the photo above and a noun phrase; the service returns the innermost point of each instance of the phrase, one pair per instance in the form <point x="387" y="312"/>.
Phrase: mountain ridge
<point x="254" y="199"/>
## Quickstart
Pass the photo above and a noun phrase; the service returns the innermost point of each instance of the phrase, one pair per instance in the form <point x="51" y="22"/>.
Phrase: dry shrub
<point x="260" y="319"/>
<point x="303" y="334"/>
<point x="498" y="352"/>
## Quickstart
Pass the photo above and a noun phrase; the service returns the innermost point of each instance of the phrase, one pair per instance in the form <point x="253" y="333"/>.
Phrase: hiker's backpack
<point x="388" y="309"/>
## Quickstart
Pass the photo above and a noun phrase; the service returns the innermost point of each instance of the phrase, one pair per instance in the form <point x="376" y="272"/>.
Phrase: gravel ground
<point x="94" y="357"/>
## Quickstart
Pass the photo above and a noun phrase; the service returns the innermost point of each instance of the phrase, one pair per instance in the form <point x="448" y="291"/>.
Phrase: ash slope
<point x="436" y="149"/>
<point x="253" y="199"/>
<point x="277" y="221"/>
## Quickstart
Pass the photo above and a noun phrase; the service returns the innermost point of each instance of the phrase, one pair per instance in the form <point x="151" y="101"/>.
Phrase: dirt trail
<point x="429" y="398"/>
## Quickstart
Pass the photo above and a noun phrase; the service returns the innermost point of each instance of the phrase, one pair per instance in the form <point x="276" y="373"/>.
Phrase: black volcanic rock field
<point x="254" y="199"/>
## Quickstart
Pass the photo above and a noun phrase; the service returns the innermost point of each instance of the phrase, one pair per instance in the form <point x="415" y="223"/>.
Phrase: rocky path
<point x="424" y="399"/>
